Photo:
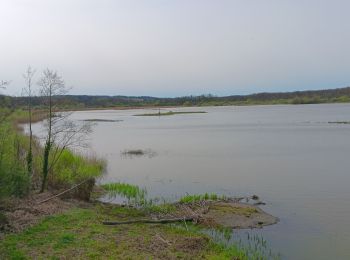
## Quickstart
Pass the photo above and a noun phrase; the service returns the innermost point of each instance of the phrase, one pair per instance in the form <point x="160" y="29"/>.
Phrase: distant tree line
<point x="85" y="101"/>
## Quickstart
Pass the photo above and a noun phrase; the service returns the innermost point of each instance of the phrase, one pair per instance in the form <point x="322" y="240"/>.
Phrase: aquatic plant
<point x="247" y="246"/>
<point x="133" y="193"/>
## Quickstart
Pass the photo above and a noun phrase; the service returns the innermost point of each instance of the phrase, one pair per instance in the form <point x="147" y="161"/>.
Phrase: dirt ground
<point x="23" y="213"/>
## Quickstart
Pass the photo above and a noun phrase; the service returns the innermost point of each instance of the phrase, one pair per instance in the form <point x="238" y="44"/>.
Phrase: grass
<point x="73" y="168"/>
<point x="171" y="113"/>
<point x="134" y="194"/>
<point x="80" y="234"/>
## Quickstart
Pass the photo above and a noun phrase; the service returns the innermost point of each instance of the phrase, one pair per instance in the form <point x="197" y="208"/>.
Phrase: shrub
<point x="72" y="168"/>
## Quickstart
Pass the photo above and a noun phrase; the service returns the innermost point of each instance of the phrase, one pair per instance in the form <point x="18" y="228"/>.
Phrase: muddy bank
<point x="239" y="215"/>
<point x="19" y="214"/>
<point x="222" y="213"/>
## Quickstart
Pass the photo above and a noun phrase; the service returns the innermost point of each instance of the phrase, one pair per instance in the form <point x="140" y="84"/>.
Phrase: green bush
<point x="72" y="168"/>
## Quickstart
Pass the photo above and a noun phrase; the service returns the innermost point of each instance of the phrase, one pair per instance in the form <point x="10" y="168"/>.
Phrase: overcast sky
<point x="178" y="47"/>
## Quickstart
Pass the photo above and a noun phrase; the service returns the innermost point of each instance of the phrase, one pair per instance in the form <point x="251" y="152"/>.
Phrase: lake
<point x="290" y="156"/>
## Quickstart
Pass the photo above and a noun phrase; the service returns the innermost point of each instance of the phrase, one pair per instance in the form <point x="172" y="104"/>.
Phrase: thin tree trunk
<point x="47" y="146"/>
<point x="46" y="164"/>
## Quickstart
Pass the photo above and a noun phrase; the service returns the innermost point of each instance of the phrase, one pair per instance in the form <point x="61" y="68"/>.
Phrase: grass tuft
<point x="134" y="194"/>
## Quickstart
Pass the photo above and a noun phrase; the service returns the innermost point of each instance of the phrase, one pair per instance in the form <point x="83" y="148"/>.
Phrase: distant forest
<point x="340" y="95"/>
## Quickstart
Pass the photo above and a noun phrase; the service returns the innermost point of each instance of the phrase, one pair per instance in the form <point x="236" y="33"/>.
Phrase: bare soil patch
<point x="239" y="215"/>
<point x="22" y="213"/>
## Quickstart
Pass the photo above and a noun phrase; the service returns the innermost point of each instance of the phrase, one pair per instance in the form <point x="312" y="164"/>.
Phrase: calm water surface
<point x="290" y="156"/>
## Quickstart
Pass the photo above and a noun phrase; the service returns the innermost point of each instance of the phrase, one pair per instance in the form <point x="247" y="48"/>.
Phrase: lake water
<point x="290" y="156"/>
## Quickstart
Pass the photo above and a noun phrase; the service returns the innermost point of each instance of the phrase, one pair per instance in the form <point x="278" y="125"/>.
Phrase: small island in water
<point x="171" y="113"/>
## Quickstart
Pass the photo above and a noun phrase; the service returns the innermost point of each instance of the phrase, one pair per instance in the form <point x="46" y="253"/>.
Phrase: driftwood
<point x="149" y="221"/>
<point x="63" y="192"/>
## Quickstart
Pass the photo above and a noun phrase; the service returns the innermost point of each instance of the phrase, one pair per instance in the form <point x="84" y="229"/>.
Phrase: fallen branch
<point x="63" y="192"/>
<point x="149" y="221"/>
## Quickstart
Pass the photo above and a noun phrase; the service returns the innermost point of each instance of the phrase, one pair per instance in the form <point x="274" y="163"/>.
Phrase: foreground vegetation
<point x="79" y="234"/>
<point x="14" y="178"/>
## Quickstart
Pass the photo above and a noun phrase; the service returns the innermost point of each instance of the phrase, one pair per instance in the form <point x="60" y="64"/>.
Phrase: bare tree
<point x="3" y="84"/>
<point x="28" y="78"/>
<point x="61" y="132"/>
